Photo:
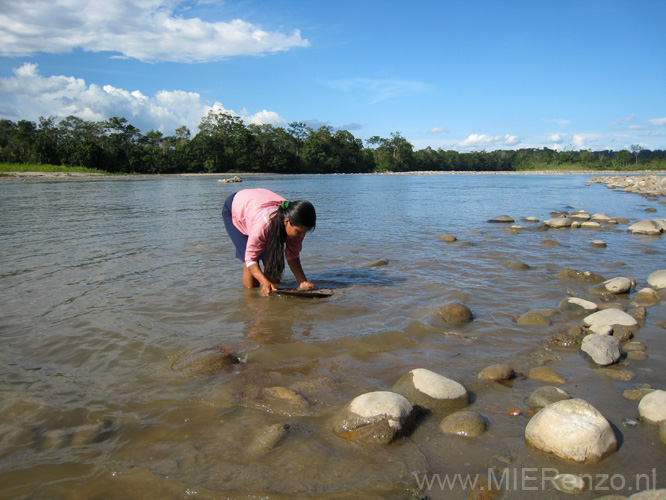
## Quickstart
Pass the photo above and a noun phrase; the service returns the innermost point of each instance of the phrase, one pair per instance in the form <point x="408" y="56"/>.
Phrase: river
<point x="103" y="282"/>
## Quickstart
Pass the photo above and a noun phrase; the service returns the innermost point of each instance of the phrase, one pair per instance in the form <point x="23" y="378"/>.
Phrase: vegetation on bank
<point x="225" y="144"/>
<point x="42" y="167"/>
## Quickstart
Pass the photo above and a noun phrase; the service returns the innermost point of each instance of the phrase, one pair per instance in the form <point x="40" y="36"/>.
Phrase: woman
<point x="265" y="226"/>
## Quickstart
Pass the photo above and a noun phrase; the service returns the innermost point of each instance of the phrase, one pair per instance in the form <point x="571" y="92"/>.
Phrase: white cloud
<point x="61" y="96"/>
<point x="439" y="130"/>
<point x="487" y="141"/>
<point x="148" y="30"/>
<point x="561" y="121"/>
<point x="657" y="122"/>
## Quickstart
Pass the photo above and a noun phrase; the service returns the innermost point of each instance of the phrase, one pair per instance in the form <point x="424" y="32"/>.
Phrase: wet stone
<point x="506" y="219"/>
<point x="464" y="423"/>
<point x="455" y="313"/>
<point x="566" y="340"/>
<point x="533" y="318"/>
<point x="577" y="305"/>
<point x="569" y="483"/>
<point x="543" y="396"/>
<point x="652" y="407"/>
<point x="497" y="373"/>
<point x="657" y="279"/>
<point x="267" y="439"/>
<point x="573" y="430"/>
<point x="602" y="349"/>
<point x="582" y="276"/>
<point x="617" y="373"/>
<point x="637" y="392"/>
<point x="637" y="355"/>
<point x="448" y="238"/>
<point x="205" y="361"/>
<point x="662" y="432"/>
<point x="546" y="374"/>
<point x="431" y="390"/>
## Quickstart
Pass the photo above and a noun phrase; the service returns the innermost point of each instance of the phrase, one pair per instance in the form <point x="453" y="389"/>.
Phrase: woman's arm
<point x="266" y="286"/>
<point x="295" y="266"/>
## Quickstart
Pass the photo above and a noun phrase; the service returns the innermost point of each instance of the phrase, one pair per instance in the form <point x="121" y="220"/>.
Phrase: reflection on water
<point x="101" y="283"/>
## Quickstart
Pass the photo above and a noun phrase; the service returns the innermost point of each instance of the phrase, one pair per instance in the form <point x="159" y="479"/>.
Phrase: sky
<point x="466" y="75"/>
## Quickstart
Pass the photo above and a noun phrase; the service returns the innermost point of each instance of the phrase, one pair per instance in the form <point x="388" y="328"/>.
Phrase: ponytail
<point x="300" y="213"/>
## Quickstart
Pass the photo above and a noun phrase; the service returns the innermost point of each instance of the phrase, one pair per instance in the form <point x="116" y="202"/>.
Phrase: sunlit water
<point x="103" y="282"/>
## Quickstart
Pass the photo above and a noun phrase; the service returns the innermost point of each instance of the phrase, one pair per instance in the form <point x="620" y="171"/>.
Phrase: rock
<point x="638" y="313"/>
<point x="497" y="373"/>
<point x="662" y="432"/>
<point x="598" y="243"/>
<point x="600" y="217"/>
<point x="634" y="346"/>
<point x="603" y="350"/>
<point x="657" y="279"/>
<point x="235" y="178"/>
<point x="652" y="407"/>
<point x="580" y="215"/>
<point x="637" y="356"/>
<point x="569" y="483"/>
<point x="206" y="361"/>
<point x="533" y="318"/>
<point x="566" y="340"/>
<point x="619" y="285"/>
<point x="622" y="333"/>
<point x="584" y="276"/>
<point x="649" y="495"/>
<point x="531" y="219"/>
<point x="543" y="396"/>
<point x="551" y="243"/>
<point x="572" y="429"/>
<point x="546" y="374"/>
<point x="267" y="439"/>
<point x="618" y="373"/>
<point x="448" y="238"/>
<point x="506" y="219"/>
<point x="377" y="263"/>
<point x="374" y="417"/>
<point x="559" y="222"/>
<point x="284" y="400"/>
<point x="609" y="317"/>
<point x="431" y="391"/>
<point x="649" y="227"/>
<point x="647" y="296"/>
<point x="455" y="313"/>
<point x="464" y="423"/>
<point x="576" y="305"/>
<point x="517" y="266"/>
<point x="590" y="225"/>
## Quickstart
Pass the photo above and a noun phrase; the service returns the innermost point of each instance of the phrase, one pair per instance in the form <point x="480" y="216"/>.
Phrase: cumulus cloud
<point x="147" y="30"/>
<point x="489" y="141"/>
<point x="62" y="96"/>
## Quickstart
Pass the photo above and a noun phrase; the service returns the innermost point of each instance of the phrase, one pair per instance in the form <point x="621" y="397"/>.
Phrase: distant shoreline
<point x="72" y="176"/>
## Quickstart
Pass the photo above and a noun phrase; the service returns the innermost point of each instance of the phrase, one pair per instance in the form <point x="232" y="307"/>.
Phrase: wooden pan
<point x="304" y="293"/>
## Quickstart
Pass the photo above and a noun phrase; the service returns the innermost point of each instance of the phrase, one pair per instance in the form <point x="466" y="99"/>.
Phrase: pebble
<point x="602" y="349"/>
<point x="657" y="279"/>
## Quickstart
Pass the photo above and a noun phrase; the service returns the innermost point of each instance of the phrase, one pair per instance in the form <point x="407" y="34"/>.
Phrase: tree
<point x="636" y="149"/>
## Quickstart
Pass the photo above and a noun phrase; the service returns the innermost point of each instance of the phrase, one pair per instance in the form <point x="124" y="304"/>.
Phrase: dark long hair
<point x="300" y="213"/>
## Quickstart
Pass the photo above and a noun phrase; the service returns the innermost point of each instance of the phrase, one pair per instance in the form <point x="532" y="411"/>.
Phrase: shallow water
<point x="103" y="282"/>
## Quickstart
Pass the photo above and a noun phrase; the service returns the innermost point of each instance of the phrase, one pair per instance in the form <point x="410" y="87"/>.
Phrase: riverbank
<point x="68" y="176"/>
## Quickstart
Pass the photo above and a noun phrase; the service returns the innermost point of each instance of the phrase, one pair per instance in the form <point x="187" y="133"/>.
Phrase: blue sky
<point x="452" y="74"/>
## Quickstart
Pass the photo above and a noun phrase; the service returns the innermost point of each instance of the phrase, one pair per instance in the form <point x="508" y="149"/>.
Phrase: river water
<point x="104" y="282"/>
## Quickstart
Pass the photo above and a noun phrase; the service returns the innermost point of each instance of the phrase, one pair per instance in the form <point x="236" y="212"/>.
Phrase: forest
<point x="224" y="143"/>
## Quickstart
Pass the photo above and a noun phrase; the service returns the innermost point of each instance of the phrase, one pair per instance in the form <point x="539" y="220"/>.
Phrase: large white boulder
<point x="572" y="429"/>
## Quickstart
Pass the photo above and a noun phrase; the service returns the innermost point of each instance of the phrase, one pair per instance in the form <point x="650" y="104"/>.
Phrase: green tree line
<point x="224" y="143"/>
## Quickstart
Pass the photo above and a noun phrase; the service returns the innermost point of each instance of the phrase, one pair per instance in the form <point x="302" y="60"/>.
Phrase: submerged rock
<point x="455" y="313"/>
<point x="649" y="227"/>
<point x="267" y="439"/>
<point x="546" y="374"/>
<point x="205" y="361"/>
<point x="502" y="219"/>
<point x="533" y="318"/>
<point x="375" y="417"/>
<point x="584" y="276"/>
<point x="449" y="238"/>
<point x="464" y="424"/>
<point x="559" y="222"/>
<point x="431" y="390"/>
<point x="577" y="305"/>
<point x="573" y="430"/>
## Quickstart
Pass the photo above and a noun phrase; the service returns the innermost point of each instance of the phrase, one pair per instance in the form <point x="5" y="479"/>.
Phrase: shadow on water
<point x="361" y="276"/>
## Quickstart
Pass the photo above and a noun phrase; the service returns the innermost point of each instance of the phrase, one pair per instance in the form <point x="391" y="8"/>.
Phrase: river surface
<point x="104" y="282"/>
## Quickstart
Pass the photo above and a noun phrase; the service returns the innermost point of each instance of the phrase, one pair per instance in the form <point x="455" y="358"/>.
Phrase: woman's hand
<point x="305" y="285"/>
<point x="267" y="289"/>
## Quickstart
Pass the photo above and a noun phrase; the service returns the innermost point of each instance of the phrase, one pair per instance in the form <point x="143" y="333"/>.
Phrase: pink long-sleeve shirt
<point x="251" y="212"/>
